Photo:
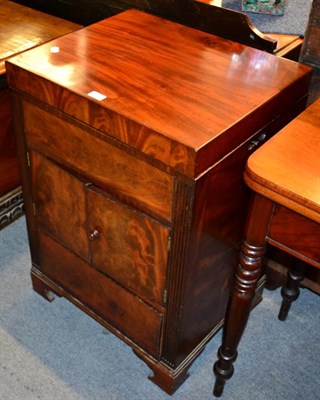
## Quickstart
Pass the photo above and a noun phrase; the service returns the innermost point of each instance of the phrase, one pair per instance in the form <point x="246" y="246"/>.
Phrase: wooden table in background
<point x="284" y="176"/>
<point x="21" y="28"/>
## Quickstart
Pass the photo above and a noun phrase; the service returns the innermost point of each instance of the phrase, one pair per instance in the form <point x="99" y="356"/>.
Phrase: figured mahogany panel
<point x="188" y="87"/>
<point x="110" y="301"/>
<point x="59" y="204"/>
<point x="128" y="246"/>
<point x="295" y="234"/>
<point x="99" y="160"/>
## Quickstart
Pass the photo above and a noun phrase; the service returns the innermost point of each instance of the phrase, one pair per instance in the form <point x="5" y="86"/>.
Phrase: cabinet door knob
<point x="94" y="234"/>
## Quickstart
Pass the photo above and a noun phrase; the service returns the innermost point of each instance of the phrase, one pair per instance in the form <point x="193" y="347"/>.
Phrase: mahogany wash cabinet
<point x="132" y="137"/>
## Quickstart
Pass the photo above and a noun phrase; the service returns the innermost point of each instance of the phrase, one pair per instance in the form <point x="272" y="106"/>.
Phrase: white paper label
<point x="97" y="96"/>
<point x="54" y="49"/>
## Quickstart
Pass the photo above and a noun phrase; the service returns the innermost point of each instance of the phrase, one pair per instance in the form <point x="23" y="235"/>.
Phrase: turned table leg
<point x="247" y="274"/>
<point x="290" y="291"/>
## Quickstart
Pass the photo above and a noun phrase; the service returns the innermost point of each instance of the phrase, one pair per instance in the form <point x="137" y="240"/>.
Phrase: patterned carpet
<point x="294" y="20"/>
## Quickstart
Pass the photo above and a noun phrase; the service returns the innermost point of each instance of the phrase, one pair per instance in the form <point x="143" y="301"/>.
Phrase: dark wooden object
<point x="284" y="175"/>
<point x="288" y="46"/>
<point x="310" y="52"/>
<point x="199" y="14"/>
<point x="21" y="28"/>
<point x="135" y="202"/>
<point x="279" y="262"/>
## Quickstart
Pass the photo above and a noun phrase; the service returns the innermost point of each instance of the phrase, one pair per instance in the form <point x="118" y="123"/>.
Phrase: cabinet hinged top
<point x="175" y="93"/>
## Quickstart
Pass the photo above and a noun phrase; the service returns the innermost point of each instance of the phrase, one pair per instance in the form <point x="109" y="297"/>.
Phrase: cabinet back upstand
<point x="132" y="138"/>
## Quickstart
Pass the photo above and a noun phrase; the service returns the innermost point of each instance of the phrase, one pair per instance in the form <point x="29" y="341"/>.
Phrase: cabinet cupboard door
<point x="60" y="204"/>
<point x="128" y="246"/>
<point x="125" y="244"/>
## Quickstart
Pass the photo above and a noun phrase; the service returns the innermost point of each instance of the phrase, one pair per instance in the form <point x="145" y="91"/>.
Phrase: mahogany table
<point x="21" y="28"/>
<point x="284" y="175"/>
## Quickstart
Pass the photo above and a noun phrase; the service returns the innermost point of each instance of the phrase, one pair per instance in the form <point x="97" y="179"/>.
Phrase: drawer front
<point x="101" y="162"/>
<point x="125" y="312"/>
<point x="128" y="246"/>
<point x="296" y="232"/>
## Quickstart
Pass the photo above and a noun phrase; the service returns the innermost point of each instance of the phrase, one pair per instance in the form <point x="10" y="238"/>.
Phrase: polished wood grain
<point x="276" y="170"/>
<point x="49" y="187"/>
<point x="247" y="273"/>
<point x="284" y="175"/>
<point x="310" y="55"/>
<point x="22" y="28"/>
<point x="288" y="46"/>
<point x="119" y="308"/>
<point x="295" y="234"/>
<point x="284" y="41"/>
<point x="160" y="162"/>
<point x="137" y="180"/>
<point x="129" y="247"/>
<point x="173" y="93"/>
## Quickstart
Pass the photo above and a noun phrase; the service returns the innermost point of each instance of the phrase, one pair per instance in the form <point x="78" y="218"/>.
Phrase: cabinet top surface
<point x="186" y="85"/>
<point x="287" y="167"/>
<point x="22" y="28"/>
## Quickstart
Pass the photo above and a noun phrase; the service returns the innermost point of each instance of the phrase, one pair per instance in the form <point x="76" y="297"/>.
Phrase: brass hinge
<point x="169" y="243"/>
<point x="28" y="159"/>
<point x="165" y="296"/>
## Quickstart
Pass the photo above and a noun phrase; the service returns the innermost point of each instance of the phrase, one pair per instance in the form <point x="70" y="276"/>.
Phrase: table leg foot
<point x="223" y="370"/>
<point x="247" y="274"/>
<point x="290" y="291"/>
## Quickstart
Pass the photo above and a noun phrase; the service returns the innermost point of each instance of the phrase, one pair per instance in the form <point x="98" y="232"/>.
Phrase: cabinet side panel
<point x="25" y="173"/>
<point x="219" y="212"/>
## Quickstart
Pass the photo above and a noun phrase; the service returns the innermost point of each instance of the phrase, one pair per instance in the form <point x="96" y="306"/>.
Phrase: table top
<point x="286" y="169"/>
<point x="22" y="28"/>
<point x="185" y="87"/>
